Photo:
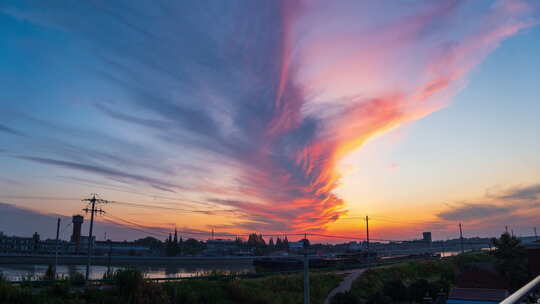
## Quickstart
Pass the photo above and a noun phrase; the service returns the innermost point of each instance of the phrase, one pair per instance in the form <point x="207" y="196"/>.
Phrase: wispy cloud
<point x="470" y="211"/>
<point x="11" y="131"/>
<point x="115" y="174"/>
<point x="504" y="205"/>
<point x="531" y="192"/>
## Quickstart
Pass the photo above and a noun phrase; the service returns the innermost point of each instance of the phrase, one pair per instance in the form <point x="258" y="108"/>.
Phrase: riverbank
<point x="129" y="286"/>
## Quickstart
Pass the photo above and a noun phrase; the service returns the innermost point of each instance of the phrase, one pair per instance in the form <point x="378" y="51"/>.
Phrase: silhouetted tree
<point x="305" y="242"/>
<point x="279" y="244"/>
<point x="511" y="259"/>
<point x="193" y="246"/>
<point x="271" y="244"/>
<point x="169" y="246"/>
<point x="396" y="290"/>
<point x="180" y="247"/>
<point x="256" y="241"/>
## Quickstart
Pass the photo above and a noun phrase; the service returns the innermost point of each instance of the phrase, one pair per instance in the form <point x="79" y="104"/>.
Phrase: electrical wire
<point x="143" y="229"/>
<point x="140" y="205"/>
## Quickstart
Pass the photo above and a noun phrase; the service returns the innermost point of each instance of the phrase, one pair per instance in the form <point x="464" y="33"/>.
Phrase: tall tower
<point x="426" y="237"/>
<point x="77" y="221"/>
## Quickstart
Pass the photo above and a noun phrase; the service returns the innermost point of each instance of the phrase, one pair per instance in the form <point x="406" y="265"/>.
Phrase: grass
<point x="408" y="282"/>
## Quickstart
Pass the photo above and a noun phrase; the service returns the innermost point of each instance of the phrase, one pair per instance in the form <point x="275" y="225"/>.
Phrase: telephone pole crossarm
<point x="91" y="208"/>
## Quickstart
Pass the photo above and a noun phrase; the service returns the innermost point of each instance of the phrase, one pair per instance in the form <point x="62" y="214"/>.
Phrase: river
<point x="15" y="272"/>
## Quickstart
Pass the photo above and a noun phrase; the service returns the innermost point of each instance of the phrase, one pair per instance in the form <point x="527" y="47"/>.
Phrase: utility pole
<point x="535" y="235"/>
<point x="461" y="238"/>
<point x="367" y="232"/>
<point x="109" y="259"/>
<point x="442" y="247"/>
<point x="92" y="204"/>
<point x="367" y="241"/>
<point x="56" y="246"/>
<point x="306" y="271"/>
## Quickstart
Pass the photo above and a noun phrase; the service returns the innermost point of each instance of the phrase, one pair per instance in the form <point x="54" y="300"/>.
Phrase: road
<point x="346" y="284"/>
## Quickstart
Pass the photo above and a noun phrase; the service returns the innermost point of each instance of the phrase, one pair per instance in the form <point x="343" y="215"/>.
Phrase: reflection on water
<point x="25" y="271"/>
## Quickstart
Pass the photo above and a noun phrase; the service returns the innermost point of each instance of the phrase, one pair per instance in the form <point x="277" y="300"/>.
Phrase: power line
<point x="131" y="191"/>
<point x="141" y="205"/>
<point x="38" y="197"/>
<point x="158" y="234"/>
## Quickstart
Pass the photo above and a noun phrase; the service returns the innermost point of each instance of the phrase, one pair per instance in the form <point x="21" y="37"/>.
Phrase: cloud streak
<point x="467" y="212"/>
<point x="510" y="205"/>
<point x="115" y="174"/>
<point x="11" y="131"/>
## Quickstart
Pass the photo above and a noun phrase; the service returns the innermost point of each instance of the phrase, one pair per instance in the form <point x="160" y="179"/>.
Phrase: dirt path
<point x="346" y="284"/>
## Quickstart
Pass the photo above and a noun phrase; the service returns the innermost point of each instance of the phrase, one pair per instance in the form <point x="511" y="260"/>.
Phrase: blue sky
<point x="292" y="118"/>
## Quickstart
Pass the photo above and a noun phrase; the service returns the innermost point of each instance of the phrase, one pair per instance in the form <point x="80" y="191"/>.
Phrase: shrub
<point x="59" y="289"/>
<point x="50" y="273"/>
<point x="379" y="298"/>
<point x="418" y="290"/>
<point x="108" y="275"/>
<point x="396" y="290"/>
<point x="132" y="286"/>
<point x="14" y="294"/>
<point x="128" y="282"/>
<point x="77" y="279"/>
<point x="344" y="298"/>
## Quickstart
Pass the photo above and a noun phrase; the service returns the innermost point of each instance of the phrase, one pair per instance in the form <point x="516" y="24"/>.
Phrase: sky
<point x="276" y="117"/>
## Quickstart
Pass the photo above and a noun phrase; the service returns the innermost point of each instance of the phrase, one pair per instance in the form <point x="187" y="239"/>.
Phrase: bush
<point x="128" y="282"/>
<point x="396" y="290"/>
<point x="198" y="291"/>
<point x="379" y="298"/>
<point x="14" y="294"/>
<point x="50" y="273"/>
<point x="419" y="289"/>
<point x="344" y="298"/>
<point x="132" y="286"/>
<point x="108" y="275"/>
<point x="59" y="289"/>
<point x="77" y="279"/>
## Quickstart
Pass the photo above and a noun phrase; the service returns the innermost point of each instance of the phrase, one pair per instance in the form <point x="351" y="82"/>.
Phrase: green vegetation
<point x="130" y="287"/>
<point x="511" y="259"/>
<point x="410" y="282"/>
<point x="273" y="289"/>
<point x="405" y="282"/>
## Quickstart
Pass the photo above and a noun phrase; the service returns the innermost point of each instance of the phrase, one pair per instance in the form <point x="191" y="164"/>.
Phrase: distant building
<point x="296" y="246"/>
<point x="77" y="221"/>
<point x="426" y="237"/>
<point x="17" y="244"/>
<point x="121" y="248"/>
<point x="221" y="247"/>
<point x="354" y="246"/>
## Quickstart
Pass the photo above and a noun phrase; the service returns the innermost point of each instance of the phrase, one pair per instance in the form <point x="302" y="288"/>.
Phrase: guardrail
<point x="522" y="292"/>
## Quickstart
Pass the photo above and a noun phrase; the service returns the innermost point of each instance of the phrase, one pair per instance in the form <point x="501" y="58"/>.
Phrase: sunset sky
<point x="278" y="117"/>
